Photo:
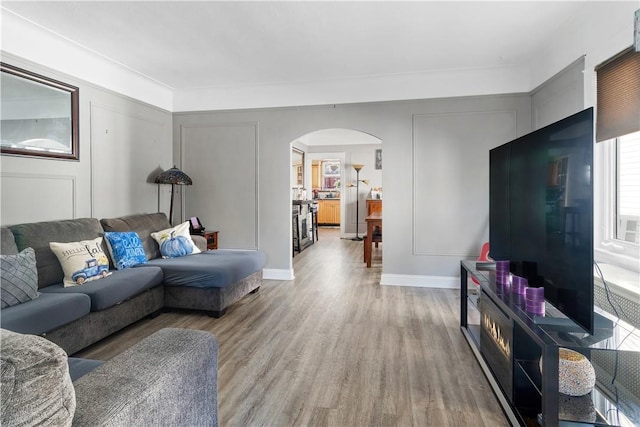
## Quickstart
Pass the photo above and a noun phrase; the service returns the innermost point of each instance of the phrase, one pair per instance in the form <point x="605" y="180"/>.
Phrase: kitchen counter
<point x="304" y="229"/>
<point x="328" y="194"/>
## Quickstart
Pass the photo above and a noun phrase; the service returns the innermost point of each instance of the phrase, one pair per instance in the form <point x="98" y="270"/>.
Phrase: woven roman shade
<point x="618" y="91"/>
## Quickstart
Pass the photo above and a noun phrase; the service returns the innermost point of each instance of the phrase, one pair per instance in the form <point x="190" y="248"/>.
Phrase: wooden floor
<point x="334" y="348"/>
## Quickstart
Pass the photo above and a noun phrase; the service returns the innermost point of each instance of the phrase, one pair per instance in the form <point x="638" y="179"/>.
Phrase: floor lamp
<point x="357" y="167"/>
<point x="173" y="176"/>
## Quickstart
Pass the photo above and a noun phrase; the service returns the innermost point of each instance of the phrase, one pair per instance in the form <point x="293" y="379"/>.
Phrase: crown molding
<point x="27" y="40"/>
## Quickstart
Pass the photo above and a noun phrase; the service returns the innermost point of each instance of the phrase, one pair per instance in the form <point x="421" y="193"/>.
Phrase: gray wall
<point x="560" y="96"/>
<point x="435" y="174"/>
<point x="435" y="170"/>
<point x="123" y="144"/>
<point x="222" y="160"/>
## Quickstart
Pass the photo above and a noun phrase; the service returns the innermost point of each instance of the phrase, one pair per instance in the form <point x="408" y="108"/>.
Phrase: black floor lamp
<point x="173" y="176"/>
<point x="357" y="167"/>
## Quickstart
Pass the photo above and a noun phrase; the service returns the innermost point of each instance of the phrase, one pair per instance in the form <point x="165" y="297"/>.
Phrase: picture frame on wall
<point x="39" y="115"/>
<point x="378" y="159"/>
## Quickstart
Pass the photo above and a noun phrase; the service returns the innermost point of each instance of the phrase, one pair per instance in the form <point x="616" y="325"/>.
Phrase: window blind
<point x="618" y="92"/>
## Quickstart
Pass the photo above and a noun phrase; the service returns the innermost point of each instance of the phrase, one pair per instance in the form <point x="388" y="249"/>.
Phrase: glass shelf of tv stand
<point x="614" y="350"/>
<point x="610" y="333"/>
<point x="473" y="314"/>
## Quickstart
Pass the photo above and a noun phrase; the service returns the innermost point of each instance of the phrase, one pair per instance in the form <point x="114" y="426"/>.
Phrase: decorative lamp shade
<point x="173" y="176"/>
<point x="357" y="167"/>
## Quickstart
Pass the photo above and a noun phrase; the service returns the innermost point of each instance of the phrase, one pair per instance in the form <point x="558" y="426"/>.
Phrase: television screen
<point x="541" y="212"/>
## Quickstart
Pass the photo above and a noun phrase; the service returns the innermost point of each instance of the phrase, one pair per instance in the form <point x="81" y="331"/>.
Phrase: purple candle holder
<point x="534" y="300"/>
<point x="502" y="266"/>
<point x="503" y="278"/>
<point x="518" y="284"/>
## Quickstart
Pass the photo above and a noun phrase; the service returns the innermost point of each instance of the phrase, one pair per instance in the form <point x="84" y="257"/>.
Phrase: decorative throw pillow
<point x="126" y="249"/>
<point x="18" y="278"/>
<point x="81" y="261"/>
<point x="175" y="242"/>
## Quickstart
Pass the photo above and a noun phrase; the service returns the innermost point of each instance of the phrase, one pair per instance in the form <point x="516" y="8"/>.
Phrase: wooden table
<point x="374" y="205"/>
<point x="212" y="239"/>
<point x="374" y="220"/>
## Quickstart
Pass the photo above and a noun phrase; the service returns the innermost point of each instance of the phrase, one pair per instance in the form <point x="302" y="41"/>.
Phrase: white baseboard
<point x="277" y="274"/>
<point x="416" y="281"/>
<point x="446" y="282"/>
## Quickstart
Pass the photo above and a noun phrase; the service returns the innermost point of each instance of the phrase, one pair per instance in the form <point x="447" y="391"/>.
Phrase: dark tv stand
<point x="567" y="325"/>
<point x="510" y="358"/>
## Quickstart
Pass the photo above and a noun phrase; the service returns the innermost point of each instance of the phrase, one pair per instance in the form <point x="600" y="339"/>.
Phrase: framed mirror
<point x="297" y="164"/>
<point x="38" y="115"/>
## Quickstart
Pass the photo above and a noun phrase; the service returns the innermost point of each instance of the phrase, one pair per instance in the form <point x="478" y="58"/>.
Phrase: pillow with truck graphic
<point x="175" y="242"/>
<point x="82" y="261"/>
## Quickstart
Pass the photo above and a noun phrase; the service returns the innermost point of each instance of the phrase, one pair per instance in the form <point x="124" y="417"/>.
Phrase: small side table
<point x="212" y="239"/>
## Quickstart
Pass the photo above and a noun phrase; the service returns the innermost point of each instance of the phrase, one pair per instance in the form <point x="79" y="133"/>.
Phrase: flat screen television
<point x="541" y="212"/>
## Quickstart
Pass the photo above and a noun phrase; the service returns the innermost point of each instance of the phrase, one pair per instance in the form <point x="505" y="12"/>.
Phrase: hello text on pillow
<point x="82" y="261"/>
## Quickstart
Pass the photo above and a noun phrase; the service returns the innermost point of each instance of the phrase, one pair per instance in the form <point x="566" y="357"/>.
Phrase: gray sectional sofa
<point x="76" y="317"/>
<point x="166" y="379"/>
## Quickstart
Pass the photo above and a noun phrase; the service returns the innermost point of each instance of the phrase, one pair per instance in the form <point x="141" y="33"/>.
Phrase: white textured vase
<point x="576" y="376"/>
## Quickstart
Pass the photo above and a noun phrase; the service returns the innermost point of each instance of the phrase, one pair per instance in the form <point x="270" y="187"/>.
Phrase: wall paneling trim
<point x="450" y="175"/>
<point x="222" y="161"/>
<point x="127" y="151"/>
<point x="25" y="196"/>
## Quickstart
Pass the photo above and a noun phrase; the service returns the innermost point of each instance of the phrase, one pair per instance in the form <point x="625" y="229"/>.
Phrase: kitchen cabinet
<point x="316" y="179"/>
<point x="329" y="212"/>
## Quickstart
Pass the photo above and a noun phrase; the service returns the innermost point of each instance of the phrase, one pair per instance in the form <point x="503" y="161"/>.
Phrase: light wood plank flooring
<point x="334" y="348"/>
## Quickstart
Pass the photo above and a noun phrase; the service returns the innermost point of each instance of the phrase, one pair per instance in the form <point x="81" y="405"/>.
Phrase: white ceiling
<point x="205" y="44"/>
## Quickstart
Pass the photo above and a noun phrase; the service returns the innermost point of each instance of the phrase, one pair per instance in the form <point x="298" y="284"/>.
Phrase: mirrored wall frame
<point x="39" y="116"/>
<point x="297" y="163"/>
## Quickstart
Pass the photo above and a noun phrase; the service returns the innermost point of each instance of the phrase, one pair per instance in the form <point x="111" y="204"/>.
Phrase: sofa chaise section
<point x="209" y="281"/>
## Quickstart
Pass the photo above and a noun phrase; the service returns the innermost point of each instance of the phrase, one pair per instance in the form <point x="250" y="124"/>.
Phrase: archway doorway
<point x="328" y="175"/>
